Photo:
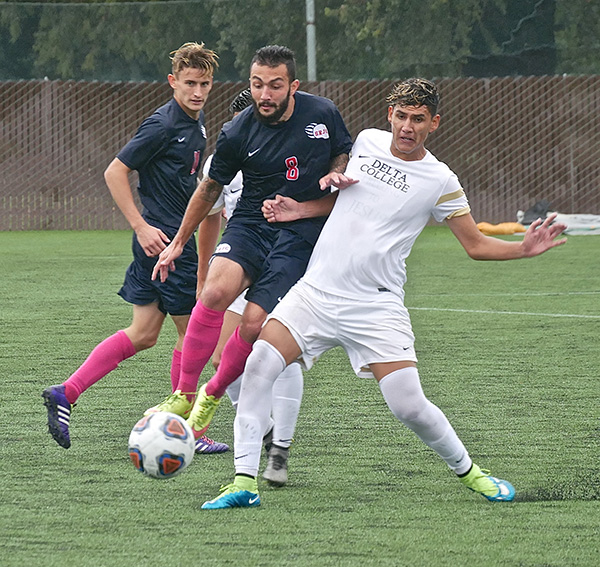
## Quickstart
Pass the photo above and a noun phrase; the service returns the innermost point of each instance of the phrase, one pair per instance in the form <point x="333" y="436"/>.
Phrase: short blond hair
<point x="194" y="55"/>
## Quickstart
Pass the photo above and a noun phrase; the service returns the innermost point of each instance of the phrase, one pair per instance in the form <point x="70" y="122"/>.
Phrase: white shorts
<point x="239" y="304"/>
<point x="377" y="330"/>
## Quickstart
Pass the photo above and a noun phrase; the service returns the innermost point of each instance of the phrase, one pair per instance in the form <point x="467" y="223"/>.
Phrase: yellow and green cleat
<point x="177" y="403"/>
<point x="492" y="488"/>
<point x="202" y="413"/>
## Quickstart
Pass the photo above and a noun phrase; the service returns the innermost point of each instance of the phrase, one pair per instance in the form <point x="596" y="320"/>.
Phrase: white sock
<point x="404" y="396"/>
<point x="287" y="396"/>
<point x="263" y="366"/>
<point x="233" y="391"/>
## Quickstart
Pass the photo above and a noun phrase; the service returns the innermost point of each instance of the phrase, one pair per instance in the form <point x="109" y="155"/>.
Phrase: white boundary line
<point x="508" y="294"/>
<point x="568" y="315"/>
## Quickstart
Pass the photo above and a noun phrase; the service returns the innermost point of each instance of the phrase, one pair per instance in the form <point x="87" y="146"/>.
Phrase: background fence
<point x="512" y="141"/>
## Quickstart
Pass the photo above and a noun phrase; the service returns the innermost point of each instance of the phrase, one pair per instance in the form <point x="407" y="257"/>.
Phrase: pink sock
<point x="199" y="343"/>
<point x="102" y="360"/>
<point x="175" y="369"/>
<point x="233" y="360"/>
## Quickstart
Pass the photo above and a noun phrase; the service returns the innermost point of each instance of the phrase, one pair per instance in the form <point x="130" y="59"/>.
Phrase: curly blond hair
<point x="415" y="92"/>
<point x="194" y="55"/>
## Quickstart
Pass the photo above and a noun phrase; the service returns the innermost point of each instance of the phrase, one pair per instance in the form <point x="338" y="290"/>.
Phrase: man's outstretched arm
<point x="539" y="238"/>
<point x="200" y="205"/>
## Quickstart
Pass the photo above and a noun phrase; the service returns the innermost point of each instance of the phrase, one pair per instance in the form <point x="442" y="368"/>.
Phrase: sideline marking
<point x="505" y="312"/>
<point x="507" y="294"/>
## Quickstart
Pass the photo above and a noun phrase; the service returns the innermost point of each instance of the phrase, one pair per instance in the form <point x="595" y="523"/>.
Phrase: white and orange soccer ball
<point x="161" y="445"/>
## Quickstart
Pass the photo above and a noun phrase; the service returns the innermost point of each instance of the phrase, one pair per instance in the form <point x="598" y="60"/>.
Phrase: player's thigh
<point x="283" y="267"/>
<point x="309" y="316"/>
<point x="280" y="337"/>
<point x="377" y="334"/>
<point x="145" y="326"/>
<point x="381" y="369"/>
<point x="225" y="280"/>
<point x="247" y="243"/>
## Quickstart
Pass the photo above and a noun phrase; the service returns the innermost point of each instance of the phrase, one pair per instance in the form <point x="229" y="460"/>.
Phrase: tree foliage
<point x="390" y="38"/>
<point x="578" y="36"/>
<point x="356" y="39"/>
<point x="245" y="26"/>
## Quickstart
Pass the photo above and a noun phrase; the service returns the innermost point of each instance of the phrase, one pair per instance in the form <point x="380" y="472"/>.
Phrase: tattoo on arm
<point x="210" y="190"/>
<point x="338" y="164"/>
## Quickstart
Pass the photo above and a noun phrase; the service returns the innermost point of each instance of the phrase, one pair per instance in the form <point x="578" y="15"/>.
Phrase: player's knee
<point x="410" y="411"/>
<point x="142" y="338"/>
<point x="216" y="297"/>
<point x="250" y="328"/>
<point x="143" y="342"/>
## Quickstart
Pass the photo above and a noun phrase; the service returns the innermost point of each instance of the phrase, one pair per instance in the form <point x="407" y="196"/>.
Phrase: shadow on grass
<point x="583" y="489"/>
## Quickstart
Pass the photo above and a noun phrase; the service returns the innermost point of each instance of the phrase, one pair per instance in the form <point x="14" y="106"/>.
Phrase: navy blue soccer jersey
<point x="166" y="152"/>
<point x="287" y="158"/>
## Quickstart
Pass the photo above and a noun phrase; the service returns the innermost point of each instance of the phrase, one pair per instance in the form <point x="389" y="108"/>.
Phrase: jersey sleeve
<point x="150" y="139"/>
<point x="341" y="142"/>
<point x="452" y="202"/>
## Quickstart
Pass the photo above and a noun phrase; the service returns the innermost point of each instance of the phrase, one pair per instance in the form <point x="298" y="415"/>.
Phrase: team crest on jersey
<point x="314" y="130"/>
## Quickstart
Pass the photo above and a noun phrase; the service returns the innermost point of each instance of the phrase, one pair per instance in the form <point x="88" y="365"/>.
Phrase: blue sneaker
<point x="492" y="488"/>
<point x="236" y="495"/>
<point x="208" y="446"/>
<point x="59" y="414"/>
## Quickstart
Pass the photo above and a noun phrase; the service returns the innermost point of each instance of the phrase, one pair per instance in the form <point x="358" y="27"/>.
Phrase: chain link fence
<point x="512" y="141"/>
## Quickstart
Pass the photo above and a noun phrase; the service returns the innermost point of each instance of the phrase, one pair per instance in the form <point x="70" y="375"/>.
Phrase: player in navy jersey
<point x="167" y="153"/>
<point x="288" y="143"/>
<point x="288" y="388"/>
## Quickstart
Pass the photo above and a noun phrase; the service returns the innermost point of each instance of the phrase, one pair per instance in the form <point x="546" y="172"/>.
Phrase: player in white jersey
<point x="352" y="292"/>
<point x="288" y="388"/>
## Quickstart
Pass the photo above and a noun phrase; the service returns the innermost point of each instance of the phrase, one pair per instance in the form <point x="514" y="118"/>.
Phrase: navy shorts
<point x="273" y="258"/>
<point x="177" y="295"/>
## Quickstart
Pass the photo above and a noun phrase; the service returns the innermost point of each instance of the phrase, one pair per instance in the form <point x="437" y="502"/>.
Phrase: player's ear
<point x="294" y="86"/>
<point x="171" y="78"/>
<point x="390" y="113"/>
<point x="435" y="122"/>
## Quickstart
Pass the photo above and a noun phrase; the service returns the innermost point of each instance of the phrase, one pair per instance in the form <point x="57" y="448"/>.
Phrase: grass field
<point x="510" y="351"/>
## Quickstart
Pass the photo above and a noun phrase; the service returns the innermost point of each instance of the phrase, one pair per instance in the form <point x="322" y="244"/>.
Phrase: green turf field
<point x="510" y="352"/>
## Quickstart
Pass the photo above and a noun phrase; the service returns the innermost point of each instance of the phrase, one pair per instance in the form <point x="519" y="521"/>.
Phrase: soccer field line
<point x="490" y="312"/>
<point x="510" y="294"/>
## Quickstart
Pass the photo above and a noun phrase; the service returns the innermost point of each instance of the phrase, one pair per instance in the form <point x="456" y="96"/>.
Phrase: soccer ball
<point x="161" y="445"/>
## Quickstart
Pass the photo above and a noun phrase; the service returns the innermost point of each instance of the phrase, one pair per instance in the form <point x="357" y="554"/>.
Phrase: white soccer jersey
<point x="231" y="193"/>
<point x="374" y="223"/>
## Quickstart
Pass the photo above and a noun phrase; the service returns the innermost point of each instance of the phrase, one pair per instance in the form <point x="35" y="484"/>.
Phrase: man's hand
<point x="281" y="209"/>
<point x="166" y="261"/>
<point x="540" y="236"/>
<point x="339" y="180"/>
<point x="152" y="240"/>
